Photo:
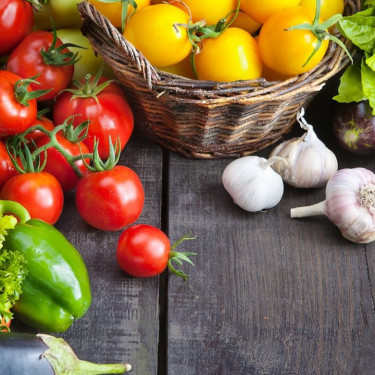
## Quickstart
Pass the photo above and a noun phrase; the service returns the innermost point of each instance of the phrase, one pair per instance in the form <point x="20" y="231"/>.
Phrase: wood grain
<point x="269" y="295"/>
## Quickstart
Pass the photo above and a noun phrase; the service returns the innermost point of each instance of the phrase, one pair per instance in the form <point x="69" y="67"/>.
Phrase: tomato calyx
<point x="199" y="31"/>
<point x="56" y="55"/>
<point x="124" y="9"/>
<point x="26" y="160"/>
<point x="98" y="164"/>
<point x="90" y="87"/>
<point x="180" y="257"/>
<point x="36" y="4"/>
<point x="320" y="30"/>
<point x="23" y="95"/>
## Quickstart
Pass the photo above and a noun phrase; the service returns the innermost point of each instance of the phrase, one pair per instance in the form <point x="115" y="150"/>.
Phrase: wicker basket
<point x="206" y="119"/>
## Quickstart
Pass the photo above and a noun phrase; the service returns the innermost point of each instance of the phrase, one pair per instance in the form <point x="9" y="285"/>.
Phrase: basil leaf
<point x="368" y="84"/>
<point x="350" y="88"/>
<point x="360" y="29"/>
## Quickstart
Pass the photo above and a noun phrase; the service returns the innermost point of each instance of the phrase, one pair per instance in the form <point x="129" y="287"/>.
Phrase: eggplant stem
<point x="305" y="211"/>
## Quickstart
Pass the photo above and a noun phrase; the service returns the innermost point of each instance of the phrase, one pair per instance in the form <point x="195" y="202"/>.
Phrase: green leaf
<point x="370" y="60"/>
<point x="360" y="29"/>
<point x="13" y="272"/>
<point x="350" y="88"/>
<point x="6" y="222"/>
<point x="369" y="3"/>
<point x="368" y="84"/>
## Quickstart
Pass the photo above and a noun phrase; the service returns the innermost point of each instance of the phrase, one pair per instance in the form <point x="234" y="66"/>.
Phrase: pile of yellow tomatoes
<point x="253" y="41"/>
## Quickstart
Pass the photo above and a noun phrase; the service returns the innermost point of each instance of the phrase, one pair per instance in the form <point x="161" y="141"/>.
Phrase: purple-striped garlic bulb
<point x="349" y="204"/>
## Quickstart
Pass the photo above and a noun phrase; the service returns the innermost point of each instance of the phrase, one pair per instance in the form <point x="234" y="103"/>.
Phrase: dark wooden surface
<point x="268" y="295"/>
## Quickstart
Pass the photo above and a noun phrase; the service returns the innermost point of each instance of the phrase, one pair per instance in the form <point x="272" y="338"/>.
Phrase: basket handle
<point x="90" y="14"/>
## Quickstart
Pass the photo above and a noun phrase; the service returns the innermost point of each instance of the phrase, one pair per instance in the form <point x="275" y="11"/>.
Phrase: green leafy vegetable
<point x="358" y="81"/>
<point x="12" y="272"/>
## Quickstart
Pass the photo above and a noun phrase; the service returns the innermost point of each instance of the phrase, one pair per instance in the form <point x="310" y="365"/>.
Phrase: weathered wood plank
<point x="268" y="295"/>
<point x="122" y="323"/>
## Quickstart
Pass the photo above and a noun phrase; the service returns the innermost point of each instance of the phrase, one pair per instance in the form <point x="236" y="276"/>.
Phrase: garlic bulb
<point x="349" y="204"/>
<point x="252" y="183"/>
<point x="309" y="162"/>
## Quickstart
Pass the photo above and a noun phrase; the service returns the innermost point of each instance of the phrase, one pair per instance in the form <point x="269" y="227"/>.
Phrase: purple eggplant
<point x="354" y="127"/>
<point x="26" y="354"/>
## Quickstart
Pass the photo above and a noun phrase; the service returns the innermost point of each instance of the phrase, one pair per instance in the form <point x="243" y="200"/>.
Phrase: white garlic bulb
<point x="309" y="163"/>
<point x="252" y="183"/>
<point x="349" y="204"/>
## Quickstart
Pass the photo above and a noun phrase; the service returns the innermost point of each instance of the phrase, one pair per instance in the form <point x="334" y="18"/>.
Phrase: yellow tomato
<point x="260" y="10"/>
<point x="243" y="21"/>
<point x="210" y="10"/>
<point x="232" y="56"/>
<point x="152" y="31"/>
<point x="183" y="68"/>
<point x="287" y="51"/>
<point x="113" y="11"/>
<point x="327" y="7"/>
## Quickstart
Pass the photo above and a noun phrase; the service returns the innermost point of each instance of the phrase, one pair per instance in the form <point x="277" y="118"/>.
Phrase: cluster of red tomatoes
<point x="230" y="39"/>
<point x="75" y="148"/>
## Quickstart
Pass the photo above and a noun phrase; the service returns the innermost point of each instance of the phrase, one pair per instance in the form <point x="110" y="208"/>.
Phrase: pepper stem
<point x="62" y="358"/>
<point x="313" y="210"/>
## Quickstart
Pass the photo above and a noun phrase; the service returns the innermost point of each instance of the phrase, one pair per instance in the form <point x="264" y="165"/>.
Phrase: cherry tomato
<point x="207" y="10"/>
<point x="327" y="7"/>
<point x="40" y="193"/>
<point x="63" y="12"/>
<point x="7" y="169"/>
<point x="43" y="121"/>
<point x="110" y="200"/>
<point x="113" y="10"/>
<point x="230" y="57"/>
<point x="153" y="31"/>
<point x="89" y="62"/>
<point x="143" y="251"/>
<point x="287" y="51"/>
<point x="108" y="111"/>
<point x="28" y="61"/>
<point x="15" y="115"/>
<point x="16" y="21"/>
<point x="183" y="68"/>
<point x="56" y="163"/>
<point x="244" y="21"/>
<point x="259" y="11"/>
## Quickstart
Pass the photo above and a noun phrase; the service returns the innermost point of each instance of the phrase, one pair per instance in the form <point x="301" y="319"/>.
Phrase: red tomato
<point x="109" y="114"/>
<point x="16" y="21"/>
<point x="15" y="117"/>
<point x="143" y="251"/>
<point x="7" y="169"/>
<point x="57" y="164"/>
<point x="40" y="193"/>
<point x="29" y="60"/>
<point x="110" y="200"/>
<point x="43" y="121"/>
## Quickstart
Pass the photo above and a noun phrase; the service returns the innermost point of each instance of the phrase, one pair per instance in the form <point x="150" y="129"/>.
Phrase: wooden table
<point x="268" y="295"/>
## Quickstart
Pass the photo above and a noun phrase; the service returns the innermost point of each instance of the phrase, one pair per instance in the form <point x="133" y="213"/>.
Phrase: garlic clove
<point x="252" y="183"/>
<point x="309" y="163"/>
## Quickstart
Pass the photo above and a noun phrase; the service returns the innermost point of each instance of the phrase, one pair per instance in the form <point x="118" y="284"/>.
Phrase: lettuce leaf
<point x="13" y="272"/>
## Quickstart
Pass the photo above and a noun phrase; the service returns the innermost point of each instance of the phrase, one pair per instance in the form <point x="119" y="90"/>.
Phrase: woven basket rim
<point x="212" y="91"/>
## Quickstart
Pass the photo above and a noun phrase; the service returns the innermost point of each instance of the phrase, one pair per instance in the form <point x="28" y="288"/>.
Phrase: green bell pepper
<point x="56" y="290"/>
